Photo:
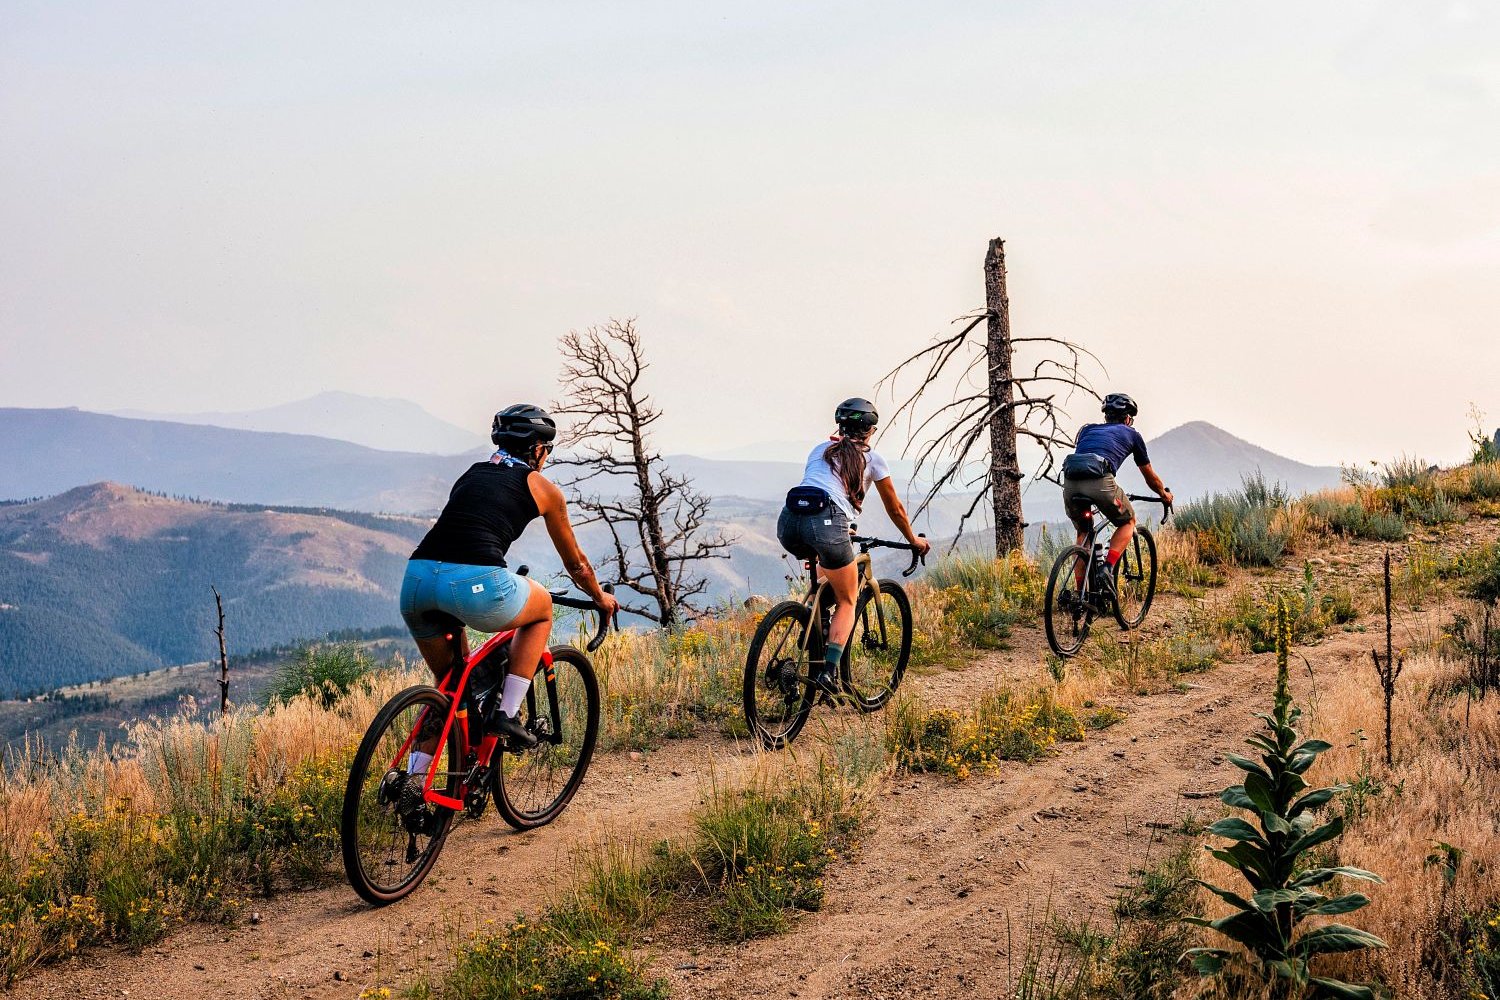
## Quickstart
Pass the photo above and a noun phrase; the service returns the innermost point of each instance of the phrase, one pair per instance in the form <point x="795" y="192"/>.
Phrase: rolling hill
<point x="105" y="580"/>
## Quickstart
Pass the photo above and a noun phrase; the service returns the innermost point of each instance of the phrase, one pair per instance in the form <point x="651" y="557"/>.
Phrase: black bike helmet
<point x="517" y="428"/>
<point x="1118" y="402"/>
<point x="856" y="414"/>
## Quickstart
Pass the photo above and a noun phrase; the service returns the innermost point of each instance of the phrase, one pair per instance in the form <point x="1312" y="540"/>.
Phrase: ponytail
<point x="846" y="457"/>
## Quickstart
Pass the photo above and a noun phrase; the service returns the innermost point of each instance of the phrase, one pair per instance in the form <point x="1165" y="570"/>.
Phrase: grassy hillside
<point x="107" y="580"/>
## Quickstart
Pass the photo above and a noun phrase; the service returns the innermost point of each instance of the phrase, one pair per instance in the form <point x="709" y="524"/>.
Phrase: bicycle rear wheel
<point x="387" y="851"/>
<point x="1135" y="580"/>
<point x="1067" y="610"/>
<point x="878" y="648"/>
<point x="533" y="787"/>
<point x="776" y="702"/>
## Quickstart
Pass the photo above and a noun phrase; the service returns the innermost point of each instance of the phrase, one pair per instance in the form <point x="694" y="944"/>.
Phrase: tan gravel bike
<point x="778" y="691"/>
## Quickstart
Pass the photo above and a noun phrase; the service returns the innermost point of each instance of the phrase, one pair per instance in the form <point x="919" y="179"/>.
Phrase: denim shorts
<point x="824" y="535"/>
<point x="486" y="598"/>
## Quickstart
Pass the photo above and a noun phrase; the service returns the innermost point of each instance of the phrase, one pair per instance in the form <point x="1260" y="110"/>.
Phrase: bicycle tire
<point x="572" y="679"/>
<point x="773" y="730"/>
<point x="357" y="819"/>
<point x="1131" y="561"/>
<point x="861" y="640"/>
<point x="1078" y="619"/>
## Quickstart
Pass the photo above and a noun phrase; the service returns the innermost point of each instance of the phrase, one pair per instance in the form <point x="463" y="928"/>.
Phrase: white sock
<point x="515" y="689"/>
<point x="418" y="762"/>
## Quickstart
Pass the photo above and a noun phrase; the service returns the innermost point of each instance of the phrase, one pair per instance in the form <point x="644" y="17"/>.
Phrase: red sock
<point x="1113" y="558"/>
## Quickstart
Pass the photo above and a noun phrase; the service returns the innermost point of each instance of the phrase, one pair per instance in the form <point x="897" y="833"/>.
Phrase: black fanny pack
<point x="807" y="500"/>
<point x="1086" y="466"/>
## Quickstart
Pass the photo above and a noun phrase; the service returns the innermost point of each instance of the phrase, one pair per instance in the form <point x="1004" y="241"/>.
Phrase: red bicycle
<point x="391" y="840"/>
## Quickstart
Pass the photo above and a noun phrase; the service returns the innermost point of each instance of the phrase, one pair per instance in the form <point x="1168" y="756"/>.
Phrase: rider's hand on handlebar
<point x="921" y="546"/>
<point x="608" y="606"/>
<point x="1167" y="496"/>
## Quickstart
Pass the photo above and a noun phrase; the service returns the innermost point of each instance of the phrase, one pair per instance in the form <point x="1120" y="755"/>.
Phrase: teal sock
<point x="833" y="654"/>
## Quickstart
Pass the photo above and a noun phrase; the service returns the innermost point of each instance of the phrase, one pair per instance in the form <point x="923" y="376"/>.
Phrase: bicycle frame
<point x="458" y="714"/>
<point x="820" y="594"/>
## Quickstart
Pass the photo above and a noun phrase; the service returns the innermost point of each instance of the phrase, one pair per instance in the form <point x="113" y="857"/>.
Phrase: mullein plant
<point x="1270" y="853"/>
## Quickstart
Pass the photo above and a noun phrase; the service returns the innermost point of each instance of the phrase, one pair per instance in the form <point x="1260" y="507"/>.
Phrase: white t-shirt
<point x="820" y="474"/>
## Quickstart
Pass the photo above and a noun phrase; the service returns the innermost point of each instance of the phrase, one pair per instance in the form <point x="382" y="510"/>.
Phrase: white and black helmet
<point x="1118" y="402"/>
<point x="520" y="426"/>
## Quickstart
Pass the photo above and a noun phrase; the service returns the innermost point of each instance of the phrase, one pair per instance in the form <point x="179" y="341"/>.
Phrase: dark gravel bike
<point x="389" y="844"/>
<point x="1074" y="598"/>
<point x="779" y="693"/>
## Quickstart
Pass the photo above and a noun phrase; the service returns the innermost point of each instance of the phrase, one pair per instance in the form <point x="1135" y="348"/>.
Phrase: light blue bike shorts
<point x="486" y="598"/>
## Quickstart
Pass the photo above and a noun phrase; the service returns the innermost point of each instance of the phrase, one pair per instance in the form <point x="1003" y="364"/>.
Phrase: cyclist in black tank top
<point x="459" y="567"/>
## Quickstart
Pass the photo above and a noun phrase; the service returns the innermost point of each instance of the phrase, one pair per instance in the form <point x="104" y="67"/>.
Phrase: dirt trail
<point x="936" y="900"/>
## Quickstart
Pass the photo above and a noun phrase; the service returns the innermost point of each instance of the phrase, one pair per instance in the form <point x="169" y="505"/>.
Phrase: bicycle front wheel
<point x="878" y="648"/>
<point x="1135" y="580"/>
<point x="1067" y="612"/>
<point x="390" y="846"/>
<point x="777" y="703"/>
<point x="533" y="787"/>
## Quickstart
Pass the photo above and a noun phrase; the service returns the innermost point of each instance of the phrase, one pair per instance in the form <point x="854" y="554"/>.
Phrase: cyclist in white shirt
<point x="815" y="523"/>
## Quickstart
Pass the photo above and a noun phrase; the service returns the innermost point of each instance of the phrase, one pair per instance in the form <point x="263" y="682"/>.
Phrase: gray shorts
<point x="1080" y="495"/>
<point x="823" y="536"/>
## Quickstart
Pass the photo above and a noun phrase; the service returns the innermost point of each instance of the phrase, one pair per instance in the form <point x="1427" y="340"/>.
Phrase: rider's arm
<point x="897" y="510"/>
<point x="1154" y="481"/>
<point x="553" y="507"/>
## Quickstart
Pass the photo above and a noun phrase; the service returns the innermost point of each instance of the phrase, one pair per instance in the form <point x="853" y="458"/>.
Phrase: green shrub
<point x="1479" y="572"/>
<point x="1242" y="526"/>
<point x="1250" y="617"/>
<point x="983" y="597"/>
<point x="1273" y="858"/>
<point x="547" y="958"/>
<point x="1001" y="726"/>
<point x="1351" y="519"/>
<point x="324" y="672"/>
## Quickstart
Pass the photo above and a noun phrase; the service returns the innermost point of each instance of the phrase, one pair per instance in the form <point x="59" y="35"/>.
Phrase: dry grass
<point x="1443" y="789"/>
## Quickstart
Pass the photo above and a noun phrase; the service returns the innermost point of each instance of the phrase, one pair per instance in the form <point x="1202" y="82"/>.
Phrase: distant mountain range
<point x="43" y="452"/>
<point x="381" y="423"/>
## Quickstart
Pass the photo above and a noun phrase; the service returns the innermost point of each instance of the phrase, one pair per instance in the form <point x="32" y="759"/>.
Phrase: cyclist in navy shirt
<point x="1089" y="478"/>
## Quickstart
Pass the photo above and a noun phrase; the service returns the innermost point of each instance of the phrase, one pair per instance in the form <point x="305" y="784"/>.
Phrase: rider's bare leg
<point x="844" y="581"/>
<point x="533" y="627"/>
<point x="1085" y="529"/>
<point x="1119" y="540"/>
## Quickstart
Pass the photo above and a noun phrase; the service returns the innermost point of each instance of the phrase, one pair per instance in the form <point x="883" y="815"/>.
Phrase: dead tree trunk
<point x="1005" y="463"/>
<point x="1388" y="667"/>
<point x="223" y="654"/>
<point x="975" y="432"/>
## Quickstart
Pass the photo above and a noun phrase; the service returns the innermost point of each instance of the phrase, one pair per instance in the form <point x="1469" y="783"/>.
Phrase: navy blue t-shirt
<point x="1114" y="442"/>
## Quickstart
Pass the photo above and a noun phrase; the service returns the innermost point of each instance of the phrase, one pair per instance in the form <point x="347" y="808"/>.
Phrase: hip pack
<point x="807" y="500"/>
<point x="1086" y="466"/>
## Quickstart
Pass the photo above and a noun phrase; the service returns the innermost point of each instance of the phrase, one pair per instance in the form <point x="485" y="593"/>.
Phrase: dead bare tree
<point x="223" y="654"/>
<point x="658" y="522"/>
<point x="975" y="434"/>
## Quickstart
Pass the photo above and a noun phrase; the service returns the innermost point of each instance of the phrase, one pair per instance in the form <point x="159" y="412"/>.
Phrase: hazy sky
<point x="1280" y="217"/>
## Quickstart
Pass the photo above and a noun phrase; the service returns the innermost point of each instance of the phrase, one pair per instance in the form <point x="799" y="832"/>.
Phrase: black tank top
<point x="487" y="509"/>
